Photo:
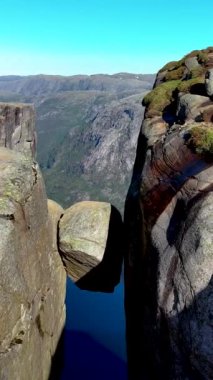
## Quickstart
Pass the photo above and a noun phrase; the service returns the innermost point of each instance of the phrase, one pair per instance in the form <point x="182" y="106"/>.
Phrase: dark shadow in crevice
<point x="106" y="275"/>
<point x="169" y="113"/>
<point x="175" y="224"/>
<point x="58" y="359"/>
<point x="198" y="89"/>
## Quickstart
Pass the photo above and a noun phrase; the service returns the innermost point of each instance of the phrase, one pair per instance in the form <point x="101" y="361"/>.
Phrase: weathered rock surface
<point x="55" y="212"/>
<point x="17" y="123"/>
<point x="191" y="106"/>
<point x="191" y="63"/>
<point x="32" y="277"/>
<point x="209" y="82"/>
<point x="169" y="223"/>
<point x="90" y="244"/>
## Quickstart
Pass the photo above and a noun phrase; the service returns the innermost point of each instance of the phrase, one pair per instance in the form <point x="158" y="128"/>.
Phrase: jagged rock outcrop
<point x="209" y="82"/>
<point x="90" y="243"/>
<point x="17" y="127"/>
<point x="32" y="277"/>
<point x="169" y="223"/>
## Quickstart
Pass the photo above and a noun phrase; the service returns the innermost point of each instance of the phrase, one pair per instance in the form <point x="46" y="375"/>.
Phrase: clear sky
<point x="100" y="36"/>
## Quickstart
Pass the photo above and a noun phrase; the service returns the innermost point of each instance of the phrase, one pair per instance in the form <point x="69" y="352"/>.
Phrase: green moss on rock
<point x="183" y="76"/>
<point x="175" y="74"/>
<point x="160" y="97"/>
<point x="202" y="139"/>
<point x="169" y="66"/>
<point x="202" y="57"/>
<point x="186" y="85"/>
<point x="197" y="72"/>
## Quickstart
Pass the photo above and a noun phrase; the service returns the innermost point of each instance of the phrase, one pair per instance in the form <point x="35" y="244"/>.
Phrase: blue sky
<point x="91" y="36"/>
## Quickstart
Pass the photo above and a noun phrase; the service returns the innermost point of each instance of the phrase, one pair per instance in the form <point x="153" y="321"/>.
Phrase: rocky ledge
<point x="169" y="220"/>
<point x="32" y="285"/>
<point x="17" y="127"/>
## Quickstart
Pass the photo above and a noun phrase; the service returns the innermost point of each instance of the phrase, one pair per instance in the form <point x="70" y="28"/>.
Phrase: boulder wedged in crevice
<point x="91" y="245"/>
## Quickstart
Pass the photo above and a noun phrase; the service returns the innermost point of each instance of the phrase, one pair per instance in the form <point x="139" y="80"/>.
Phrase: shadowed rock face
<point x="169" y="223"/>
<point x="32" y="277"/>
<point x="90" y="242"/>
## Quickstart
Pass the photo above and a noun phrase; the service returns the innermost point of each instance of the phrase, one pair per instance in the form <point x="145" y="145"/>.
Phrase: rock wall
<point x="32" y="277"/>
<point x="169" y="224"/>
<point x="17" y="123"/>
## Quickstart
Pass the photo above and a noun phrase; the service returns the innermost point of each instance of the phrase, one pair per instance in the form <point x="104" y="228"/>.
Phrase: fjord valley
<point x="87" y="128"/>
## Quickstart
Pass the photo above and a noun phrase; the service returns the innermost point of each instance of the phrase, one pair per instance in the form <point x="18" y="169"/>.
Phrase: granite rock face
<point x="90" y="244"/>
<point x="32" y="280"/>
<point x="169" y="224"/>
<point x="209" y="82"/>
<point x="17" y="123"/>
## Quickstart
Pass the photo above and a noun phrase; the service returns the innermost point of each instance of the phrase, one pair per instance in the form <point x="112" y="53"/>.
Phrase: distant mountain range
<point x="87" y="130"/>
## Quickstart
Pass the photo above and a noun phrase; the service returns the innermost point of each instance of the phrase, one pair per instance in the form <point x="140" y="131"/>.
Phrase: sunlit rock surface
<point x="32" y="277"/>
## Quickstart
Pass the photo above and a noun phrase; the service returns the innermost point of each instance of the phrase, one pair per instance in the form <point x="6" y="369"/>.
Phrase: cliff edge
<point x="169" y="222"/>
<point x="36" y="235"/>
<point x="32" y="280"/>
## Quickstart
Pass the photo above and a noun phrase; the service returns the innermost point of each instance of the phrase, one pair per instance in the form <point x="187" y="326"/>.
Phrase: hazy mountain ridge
<point x="37" y="85"/>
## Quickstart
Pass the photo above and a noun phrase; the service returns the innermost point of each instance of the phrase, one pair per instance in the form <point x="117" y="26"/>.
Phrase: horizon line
<point x="76" y="75"/>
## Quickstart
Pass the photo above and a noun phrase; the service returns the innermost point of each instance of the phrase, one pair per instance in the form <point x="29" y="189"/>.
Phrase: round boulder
<point x="89" y="243"/>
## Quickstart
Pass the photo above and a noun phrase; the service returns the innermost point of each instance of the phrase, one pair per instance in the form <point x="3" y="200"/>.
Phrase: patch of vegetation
<point x="169" y="66"/>
<point x="174" y="65"/>
<point x="197" y="72"/>
<point x="175" y="74"/>
<point x="202" y="57"/>
<point x="175" y="68"/>
<point x="160" y="97"/>
<point x="209" y="49"/>
<point x="201" y="140"/>
<point x="185" y="86"/>
<point x="193" y="53"/>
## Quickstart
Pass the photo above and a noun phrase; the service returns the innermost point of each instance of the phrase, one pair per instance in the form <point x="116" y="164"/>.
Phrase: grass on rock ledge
<point x="160" y="97"/>
<point x="201" y="139"/>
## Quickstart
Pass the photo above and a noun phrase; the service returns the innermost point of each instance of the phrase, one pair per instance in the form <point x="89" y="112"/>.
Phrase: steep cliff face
<point x="17" y="127"/>
<point x="32" y="280"/>
<point x="169" y="222"/>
